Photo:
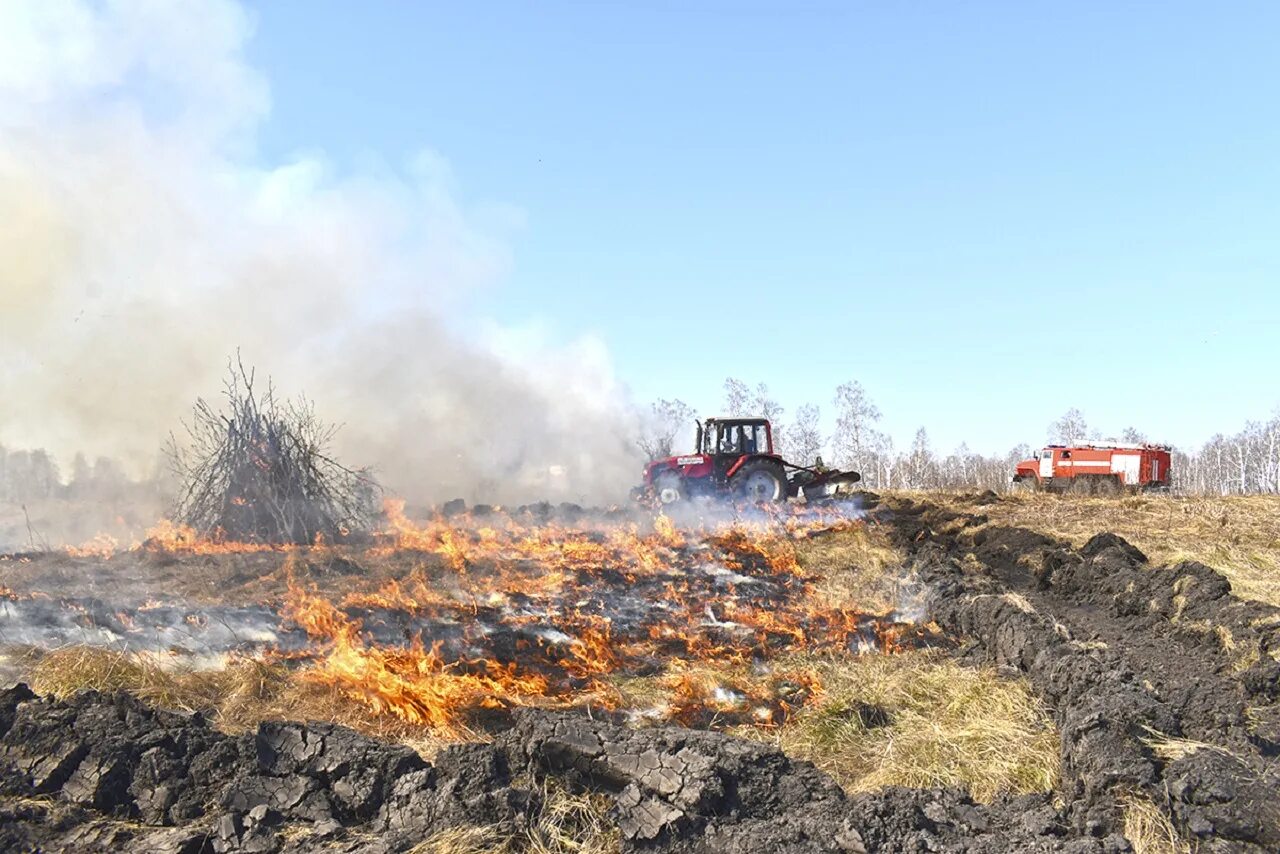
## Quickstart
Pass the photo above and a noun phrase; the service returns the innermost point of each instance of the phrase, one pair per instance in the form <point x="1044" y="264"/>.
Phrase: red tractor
<point x="1096" y="468"/>
<point x="735" y="457"/>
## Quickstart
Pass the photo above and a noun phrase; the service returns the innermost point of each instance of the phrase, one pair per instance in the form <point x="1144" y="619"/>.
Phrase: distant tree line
<point x="1242" y="463"/>
<point x="1247" y="462"/>
<point x="33" y="475"/>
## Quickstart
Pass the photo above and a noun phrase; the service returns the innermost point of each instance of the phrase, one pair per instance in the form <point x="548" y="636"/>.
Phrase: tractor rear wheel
<point x="669" y="487"/>
<point x="760" y="480"/>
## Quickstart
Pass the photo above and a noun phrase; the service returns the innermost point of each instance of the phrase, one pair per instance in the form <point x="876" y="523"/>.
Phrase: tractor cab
<point x="735" y="436"/>
<point x="731" y="456"/>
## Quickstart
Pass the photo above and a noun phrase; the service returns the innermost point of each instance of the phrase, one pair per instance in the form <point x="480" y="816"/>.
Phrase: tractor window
<point x="749" y="440"/>
<point x="762" y="440"/>
<point x="730" y="440"/>
<point x="1066" y="455"/>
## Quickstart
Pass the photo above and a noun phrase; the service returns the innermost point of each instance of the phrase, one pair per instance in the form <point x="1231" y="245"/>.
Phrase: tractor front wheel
<point x="760" y="480"/>
<point x="669" y="487"/>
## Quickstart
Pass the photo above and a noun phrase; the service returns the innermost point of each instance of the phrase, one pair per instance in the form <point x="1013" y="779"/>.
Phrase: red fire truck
<point x="1096" y="468"/>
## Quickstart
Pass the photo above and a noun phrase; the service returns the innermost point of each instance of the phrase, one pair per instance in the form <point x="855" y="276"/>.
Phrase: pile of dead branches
<point x="260" y="471"/>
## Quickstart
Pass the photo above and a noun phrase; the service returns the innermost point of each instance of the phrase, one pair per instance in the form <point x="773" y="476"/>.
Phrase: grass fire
<point x="851" y="634"/>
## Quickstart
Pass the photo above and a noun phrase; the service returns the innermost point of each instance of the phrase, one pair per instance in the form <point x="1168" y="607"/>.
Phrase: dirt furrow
<point x="1162" y="683"/>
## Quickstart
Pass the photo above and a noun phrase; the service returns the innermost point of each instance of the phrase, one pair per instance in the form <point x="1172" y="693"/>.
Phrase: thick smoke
<point x="144" y="241"/>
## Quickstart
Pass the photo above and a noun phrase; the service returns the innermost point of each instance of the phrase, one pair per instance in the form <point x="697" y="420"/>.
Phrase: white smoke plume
<point x="144" y="241"/>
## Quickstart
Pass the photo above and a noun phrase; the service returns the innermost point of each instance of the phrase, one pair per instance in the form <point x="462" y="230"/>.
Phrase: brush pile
<point x="261" y="472"/>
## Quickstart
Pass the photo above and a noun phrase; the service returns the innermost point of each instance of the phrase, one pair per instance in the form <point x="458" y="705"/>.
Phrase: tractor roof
<point x="738" y="419"/>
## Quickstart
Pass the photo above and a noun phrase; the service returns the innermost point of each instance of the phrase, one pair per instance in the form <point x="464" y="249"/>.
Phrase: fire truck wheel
<point x="669" y="487"/>
<point x="760" y="480"/>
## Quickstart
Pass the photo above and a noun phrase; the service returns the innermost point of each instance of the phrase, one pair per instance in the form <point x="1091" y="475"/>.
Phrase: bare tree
<point x="804" y="437"/>
<point x="28" y="476"/>
<point x="855" y="415"/>
<point x="737" y="397"/>
<point x="762" y="404"/>
<point x="1270" y="449"/>
<point x="664" y="422"/>
<point x="81" y="483"/>
<point x="960" y="468"/>
<point x="1070" y="428"/>
<point x="740" y="400"/>
<point x="920" y="463"/>
<point x="885" y="463"/>
<point x="1133" y="436"/>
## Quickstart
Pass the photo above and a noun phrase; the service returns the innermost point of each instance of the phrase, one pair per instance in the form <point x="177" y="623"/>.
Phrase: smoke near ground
<point x="145" y="242"/>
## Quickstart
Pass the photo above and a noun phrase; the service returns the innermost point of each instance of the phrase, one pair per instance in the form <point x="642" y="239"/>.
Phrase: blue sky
<point x="986" y="213"/>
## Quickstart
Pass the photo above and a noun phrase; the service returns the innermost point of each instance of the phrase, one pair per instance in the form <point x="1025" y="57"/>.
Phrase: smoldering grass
<point x="68" y="670"/>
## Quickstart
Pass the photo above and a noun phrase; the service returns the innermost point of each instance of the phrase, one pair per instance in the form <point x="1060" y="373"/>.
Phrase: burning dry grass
<point x="247" y="692"/>
<point x="776" y="632"/>
<point x="716" y="695"/>
<point x="918" y="719"/>
<point x="547" y="616"/>
<point x="915" y="719"/>
<point x="237" y="696"/>
<point x="912" y="719"/>
<point x="1237" y="535"/>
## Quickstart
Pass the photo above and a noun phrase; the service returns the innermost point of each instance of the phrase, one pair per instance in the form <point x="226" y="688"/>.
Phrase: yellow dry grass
<point x="67" y="670"/>
<point x="948" y="725"/>
<point x="1237" y="535"/>
<point x="1170" y="748"/>
<point x="568" y="823"/>
<point x="857" y="568"/>
<point x="1149" y="830"/>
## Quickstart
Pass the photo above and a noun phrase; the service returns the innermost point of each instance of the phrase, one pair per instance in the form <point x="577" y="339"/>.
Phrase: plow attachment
<point x="816" y="484"/>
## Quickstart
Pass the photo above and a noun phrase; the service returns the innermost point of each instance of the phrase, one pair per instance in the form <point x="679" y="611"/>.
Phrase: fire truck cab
<point x="1096" y="468"/>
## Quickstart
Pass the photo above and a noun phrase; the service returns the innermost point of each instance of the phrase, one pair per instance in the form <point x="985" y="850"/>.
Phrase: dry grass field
<point x="1237" y="535"/>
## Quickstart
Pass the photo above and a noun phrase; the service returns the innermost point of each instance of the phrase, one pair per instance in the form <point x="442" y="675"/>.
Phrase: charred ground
<point x="1156" y="691"/>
